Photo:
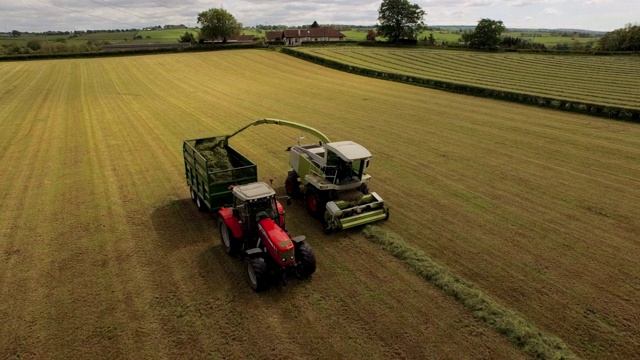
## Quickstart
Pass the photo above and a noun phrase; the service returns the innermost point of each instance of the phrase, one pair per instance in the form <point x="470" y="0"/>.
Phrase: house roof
<point x="273" y="35"/>
<point x="324" y="31"/>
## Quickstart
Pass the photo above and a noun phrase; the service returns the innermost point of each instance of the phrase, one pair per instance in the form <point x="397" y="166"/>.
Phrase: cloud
<point x="478" y="3"/>
<point x="528" y="18"/>
<point x="551" y="11"/>
<point x="519" y="3"/>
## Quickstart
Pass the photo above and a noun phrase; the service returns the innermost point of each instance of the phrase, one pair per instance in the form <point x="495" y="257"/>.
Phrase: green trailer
<point x="211" y="174"/>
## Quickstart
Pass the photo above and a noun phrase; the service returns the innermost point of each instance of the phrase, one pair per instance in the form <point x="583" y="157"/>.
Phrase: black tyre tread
<point x="306" y="260"/>
<point x="234" y="247"/>
<point x="260" y="270"/>
<point x="201" y="205"/>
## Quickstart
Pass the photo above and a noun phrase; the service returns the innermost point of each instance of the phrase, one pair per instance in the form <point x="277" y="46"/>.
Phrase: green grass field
<point x="542" y="37"/>
<point x="105" y="255"/>
<point x="599" y="80"/>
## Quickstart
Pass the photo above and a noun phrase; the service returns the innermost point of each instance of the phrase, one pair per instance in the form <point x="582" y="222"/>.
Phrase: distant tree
<point x="486" y="34"/>
<point x="399" y="19"/>
<point x="371" y="35"/>
<point x="315" y="24"/>
<point x="16" y="33"/>
<point x="34" y="45"/>
<point x="431" y="40"/>
<point x="187" y="38"/>
<point x="625" y="39"/>
<point x="218" y="23"/>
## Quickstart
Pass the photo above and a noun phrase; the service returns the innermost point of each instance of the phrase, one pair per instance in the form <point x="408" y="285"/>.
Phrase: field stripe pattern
<point x="106" y="256"/>
<point x="599" y="80"/>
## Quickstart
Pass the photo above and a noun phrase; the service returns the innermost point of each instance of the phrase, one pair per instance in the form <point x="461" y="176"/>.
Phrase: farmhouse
<point x="294" y="37"/>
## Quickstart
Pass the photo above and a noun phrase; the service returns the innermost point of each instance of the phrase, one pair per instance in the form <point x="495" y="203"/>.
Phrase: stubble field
<point x="104" y="255"/>
<point x="604" y="80"/>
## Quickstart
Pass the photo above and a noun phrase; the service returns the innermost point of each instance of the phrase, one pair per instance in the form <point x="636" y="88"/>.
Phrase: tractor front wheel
<point x="230" y="244"/>
<point x="257" y="276"/>
<point x="292" y="185"/>
<point x="306" y="260"/>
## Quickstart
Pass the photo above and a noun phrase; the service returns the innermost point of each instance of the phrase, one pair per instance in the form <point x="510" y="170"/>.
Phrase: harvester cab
<point x="254" y="229"/>
<point x="333" y="178"/>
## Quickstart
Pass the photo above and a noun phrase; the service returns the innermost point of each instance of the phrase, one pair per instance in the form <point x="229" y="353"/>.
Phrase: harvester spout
<point x="292" y="124"/>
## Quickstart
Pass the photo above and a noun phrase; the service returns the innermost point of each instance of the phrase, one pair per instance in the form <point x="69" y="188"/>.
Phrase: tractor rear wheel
<point x="257" y="276"/>
<point x="230" y="244"/>
<point x="306" y="260"/>
<point x="292" y="185"/>
<point x="315" y="203"/>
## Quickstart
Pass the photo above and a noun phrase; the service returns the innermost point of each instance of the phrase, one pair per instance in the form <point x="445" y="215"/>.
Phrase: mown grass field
<point x="104" y="255"/>
<point x="450" y="37"/>
<point x="592" y="79"/>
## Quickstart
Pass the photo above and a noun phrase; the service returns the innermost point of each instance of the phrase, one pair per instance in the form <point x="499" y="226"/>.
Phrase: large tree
<point x="487" y="34"/>
<point x="625" y="39"/>
<point x="399" y="19"/>
<point x="218" y="23"/>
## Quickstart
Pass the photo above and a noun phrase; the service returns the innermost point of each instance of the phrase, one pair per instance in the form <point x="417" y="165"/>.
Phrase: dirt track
<point x="105" y="256"/>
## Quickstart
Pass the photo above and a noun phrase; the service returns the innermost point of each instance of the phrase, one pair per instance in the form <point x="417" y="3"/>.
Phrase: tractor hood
<point x="277" y="242"/>
<point x="348" y="150"/>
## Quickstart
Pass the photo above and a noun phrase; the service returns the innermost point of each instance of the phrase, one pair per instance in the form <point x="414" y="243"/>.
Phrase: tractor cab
<point x="253" y="202"/>
<point x="346" y="162"/>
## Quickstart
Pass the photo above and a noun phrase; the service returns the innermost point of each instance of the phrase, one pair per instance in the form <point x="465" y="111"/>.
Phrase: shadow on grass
<point x="178" y="223"/>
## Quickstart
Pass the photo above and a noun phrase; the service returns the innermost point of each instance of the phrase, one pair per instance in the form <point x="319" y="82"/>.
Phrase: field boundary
<point x="519" y="331"/>
<point x="159" y="49"/>
<point x="606" y="111"/>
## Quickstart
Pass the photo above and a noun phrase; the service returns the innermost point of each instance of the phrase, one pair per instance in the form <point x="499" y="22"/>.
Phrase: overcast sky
<point x="42" y="15"/>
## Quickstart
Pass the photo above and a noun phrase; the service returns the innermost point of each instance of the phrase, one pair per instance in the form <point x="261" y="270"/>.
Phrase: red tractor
<point x="254" y="229"/>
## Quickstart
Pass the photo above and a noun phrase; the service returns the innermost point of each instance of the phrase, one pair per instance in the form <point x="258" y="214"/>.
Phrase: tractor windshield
<point x="267" y="206"/>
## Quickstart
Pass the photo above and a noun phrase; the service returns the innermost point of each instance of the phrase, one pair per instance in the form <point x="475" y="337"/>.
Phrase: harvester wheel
<point x="193" y="194"/>
<point x="364" y="189"/>
<point x="257" y="276"/>
<point x="315" y="203"/>
<point x="292" y="185"/>
<point x="306" y="260"/>
<point x="230" y="244"/>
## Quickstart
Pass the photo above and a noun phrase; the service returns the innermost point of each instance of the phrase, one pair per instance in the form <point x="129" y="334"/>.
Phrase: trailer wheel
<point x="315" y="203"/>
<point x="306" y="260"/>
<point x="193" y="194"/>
<point x="230" y="244"/>
<point x="257" y="276"/>
<point x="292" y="185"/>
<point x="201" y="205"/>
